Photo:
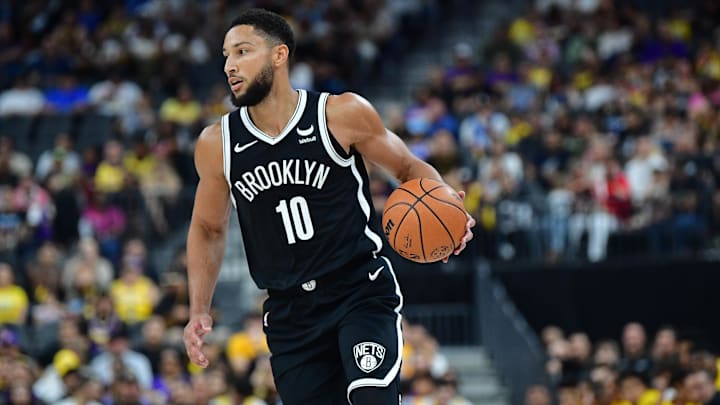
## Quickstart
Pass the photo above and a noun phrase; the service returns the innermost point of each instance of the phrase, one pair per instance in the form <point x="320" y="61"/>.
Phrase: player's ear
<point x="281" y="53"/>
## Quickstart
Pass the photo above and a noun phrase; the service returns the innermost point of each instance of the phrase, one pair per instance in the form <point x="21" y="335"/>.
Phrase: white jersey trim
<point x="227" y="156"/>
<point x="325" y="134"/>
<point x="395" y="369"/>
<point x="272" y="140"/>
<point x="327" y="143"/>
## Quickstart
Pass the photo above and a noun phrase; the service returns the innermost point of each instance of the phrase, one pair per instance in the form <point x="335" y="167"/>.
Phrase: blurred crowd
<point x="100" y="103"/>
<point x="678" y="367"/>
<point x="581" y="130"/>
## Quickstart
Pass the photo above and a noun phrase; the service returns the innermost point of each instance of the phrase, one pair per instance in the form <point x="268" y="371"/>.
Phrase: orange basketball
<point x="424" y="220"/>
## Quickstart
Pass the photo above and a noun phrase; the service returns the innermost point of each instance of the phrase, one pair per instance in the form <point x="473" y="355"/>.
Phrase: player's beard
<point x="257" y="90"/>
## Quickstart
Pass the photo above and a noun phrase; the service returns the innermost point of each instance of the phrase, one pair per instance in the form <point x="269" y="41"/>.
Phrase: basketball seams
<point x="397" y="227"/>
<point x="429" y="208"/>
<point x="422" y="243"/>
<point x="450" y="203"/>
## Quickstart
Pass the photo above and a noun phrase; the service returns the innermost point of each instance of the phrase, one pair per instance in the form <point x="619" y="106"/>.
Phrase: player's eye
<point x="243" y="51"/>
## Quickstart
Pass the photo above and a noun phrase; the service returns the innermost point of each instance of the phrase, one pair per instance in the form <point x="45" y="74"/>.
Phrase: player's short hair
<point x="271" y="25"/>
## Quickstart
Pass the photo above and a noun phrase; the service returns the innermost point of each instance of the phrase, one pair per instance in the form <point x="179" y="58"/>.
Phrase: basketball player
<point x="291" y="163"/>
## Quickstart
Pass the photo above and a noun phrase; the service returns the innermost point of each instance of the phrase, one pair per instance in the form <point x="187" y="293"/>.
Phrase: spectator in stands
<point x="56" y="382"/>
<point x="263" y="384"/>
<point x="18" y="163"/>
<point x="635" y="357"/>
<point x="58" y="167"/>
<point x="44" y="274"/>
<point x="537" y="395"/>
<point x="170" y="372"/>
<point x="160" y="189"/>
<point x="245" y="346"/>
<point x="15" y="301"/>
<point x="68" y="96"/>
<point x="101" y="321"/>
<point x="446" y="391"/>
<point x="117" y="362"/>
<point x="635" y="389"/>
<point x="133" y="293"/>
<point x="701" y="387"/>
<point x="568" y="392"/>
<point x="665" y="347"/>
<point x="111" y="175"/>
<point x="105" y="222"/>
<point x="21" y="99"/>
<point x="152" y="341"/>
<point x="118" y="97"/>
<point x="174" y="303"/>
<point x="183" y="109"/>
<point x="127" y="386"/>
<point x="37" y="205"/>
<point x="85" y="275"/>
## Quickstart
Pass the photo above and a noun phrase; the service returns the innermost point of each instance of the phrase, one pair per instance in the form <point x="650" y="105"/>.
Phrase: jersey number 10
<point x="301" y="224"/>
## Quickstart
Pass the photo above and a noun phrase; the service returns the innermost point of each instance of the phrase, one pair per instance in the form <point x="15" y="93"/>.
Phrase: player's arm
<point x="356" y="124"/>
<point x="206" y="238"/>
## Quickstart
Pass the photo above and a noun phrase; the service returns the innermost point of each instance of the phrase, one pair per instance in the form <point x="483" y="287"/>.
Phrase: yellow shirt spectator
<point x="522" y="31"/>
<point x="243" y="345"/>
<point x="13" y="305"/>
<point x="13" y="299"/>
<point x="180" y="112"/>
<point x="139" y="167"/>
<point x="109" y="178"/>
<point x="134" y="299"/>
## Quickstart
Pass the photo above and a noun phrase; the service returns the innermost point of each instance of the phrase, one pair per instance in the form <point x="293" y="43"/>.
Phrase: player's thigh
<point x="370" y="344"/>
<point x="318" y="381"/>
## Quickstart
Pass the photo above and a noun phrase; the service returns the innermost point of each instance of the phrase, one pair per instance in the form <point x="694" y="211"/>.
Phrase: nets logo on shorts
<point x="368" y="355"/>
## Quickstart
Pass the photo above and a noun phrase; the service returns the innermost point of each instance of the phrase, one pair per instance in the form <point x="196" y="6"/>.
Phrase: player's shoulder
<point x="352" y="114"/>
<point x="209" y="146"/>
<point x="211" y="133"/>
<point x="348" y="103"/>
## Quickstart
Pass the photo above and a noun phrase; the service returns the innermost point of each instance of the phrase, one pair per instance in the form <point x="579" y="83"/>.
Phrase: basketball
<point x="424" y="220"/>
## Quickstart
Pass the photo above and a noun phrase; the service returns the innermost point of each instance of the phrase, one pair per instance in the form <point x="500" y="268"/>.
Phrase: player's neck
<point x="273" y="113"/>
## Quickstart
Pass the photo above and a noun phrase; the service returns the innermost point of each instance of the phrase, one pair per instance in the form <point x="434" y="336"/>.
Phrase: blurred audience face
<point x="631" y="388"/>
<point x="665" y="345"/>
<point x="113" y="152"/>
<point x="551" y="334"/>
<point x="568" y="396"/>
<point x="633" y="340"/>
<point x="88" y="248"/>
<point x="6" y="275"/>
<point x="537" y="395"/>
<point x="126" y="390"/>
<point x="700" y="386"/>
<point x="154" y="331"/>
<point x="170" y="365"/>
<point x="580" y="346"/>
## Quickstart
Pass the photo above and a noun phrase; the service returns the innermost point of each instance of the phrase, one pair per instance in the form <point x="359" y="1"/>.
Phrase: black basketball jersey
<point x="303" y="203"/>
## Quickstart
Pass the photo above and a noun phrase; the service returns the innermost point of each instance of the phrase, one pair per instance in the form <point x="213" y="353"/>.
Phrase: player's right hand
<point x="196" y="329"/>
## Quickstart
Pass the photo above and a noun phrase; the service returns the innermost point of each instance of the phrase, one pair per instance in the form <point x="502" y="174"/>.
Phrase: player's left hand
<point x="468" y="233"/>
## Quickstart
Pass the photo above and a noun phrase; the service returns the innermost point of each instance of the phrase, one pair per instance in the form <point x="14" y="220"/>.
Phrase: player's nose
<point x="230" y="67"/>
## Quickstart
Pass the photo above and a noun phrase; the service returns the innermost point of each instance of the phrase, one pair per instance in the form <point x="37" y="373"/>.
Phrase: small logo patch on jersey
<point x="368" y="355"/>
<point x="310" y="285"/>
<point x="374" y="275"/>
<point x="307" y="140"/>
<point x="239" y="148"/>
<point x="307" y="131"/>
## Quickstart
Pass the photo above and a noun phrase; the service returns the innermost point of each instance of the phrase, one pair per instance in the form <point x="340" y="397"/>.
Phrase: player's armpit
<point x="355" y="123"/>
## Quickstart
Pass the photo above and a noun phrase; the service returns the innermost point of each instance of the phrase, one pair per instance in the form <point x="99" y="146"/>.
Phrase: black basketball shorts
<point x="332" y="336"/>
